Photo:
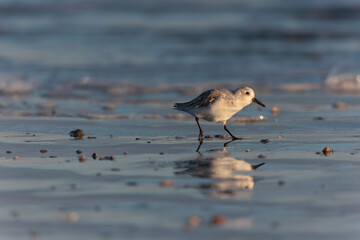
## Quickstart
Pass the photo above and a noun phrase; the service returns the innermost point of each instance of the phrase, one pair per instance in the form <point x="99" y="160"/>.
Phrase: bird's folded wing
<point x="203" y="100"/>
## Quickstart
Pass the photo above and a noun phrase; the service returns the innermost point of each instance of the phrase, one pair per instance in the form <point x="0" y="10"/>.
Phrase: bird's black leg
<point x="232" y="136"/>
<point x="198" y="148"/>
<point x="201" y="135"/>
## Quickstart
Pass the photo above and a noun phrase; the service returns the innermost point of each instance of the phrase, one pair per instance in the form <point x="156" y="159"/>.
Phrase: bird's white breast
<point x="219" y="111"/>
<point x="223" y="110"/>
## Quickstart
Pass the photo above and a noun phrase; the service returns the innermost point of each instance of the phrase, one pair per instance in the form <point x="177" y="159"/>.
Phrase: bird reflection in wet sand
<point x="225" y="145"/>
<point x="219" y="166"/>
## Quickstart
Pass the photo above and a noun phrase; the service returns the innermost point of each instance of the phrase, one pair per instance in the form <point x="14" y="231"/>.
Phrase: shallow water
<point x="114" y="69"/>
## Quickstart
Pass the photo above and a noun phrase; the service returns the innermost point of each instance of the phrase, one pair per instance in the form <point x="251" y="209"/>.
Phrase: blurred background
<point x="133" y="51"/>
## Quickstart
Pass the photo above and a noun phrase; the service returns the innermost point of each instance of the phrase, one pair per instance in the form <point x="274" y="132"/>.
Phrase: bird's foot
<point x="233" y="138"/>
<point x="198" y="148"/>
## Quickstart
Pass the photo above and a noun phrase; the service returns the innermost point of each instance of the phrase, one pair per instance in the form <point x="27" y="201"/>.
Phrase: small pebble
<point x="77" y="134"/>
<point x="74" y="186"/>
<point x="326" y="151"/>
<point x="221" y="136"/>
<point x="112" y="158"/>
<point x="280" y="137"/>
<point x="78" y="151"/>
<point x="137" y="138"/>
<point x="91" y="137"/>
<point x="16" y="157"/>
<point x="275" y="110"/>
<point x="353" y="153"/>
<point x="247" y="150"/>
<point x="209" y="137"/>
<point x="43" y="150"/>
<point x="8" y="152"/>
<point x="261" y="156"/>
<point x="166" y="183"/>
<point x="218" y="220"/>
<point x="98" y="174"/>
<point x="319" y="118"/>
<point x="179" y="138"/>
<point x="82" y="158"/>
<point x="94" y="156"/>
<point x="264" y="141"/>
<point x="193" y="222"/>
<point x="318" y="153"/>
<point x="161" y="153"/>
<point x="148" y="142"/>
<point x="133" y="184"/>
<point x="126" y="153"/>
<point x="109" y="107"/>
<point x="52" y="156"/>
<point x="281" y="182"/>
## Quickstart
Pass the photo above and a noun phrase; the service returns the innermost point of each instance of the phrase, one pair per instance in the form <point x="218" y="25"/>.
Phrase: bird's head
<point x="248" y="96"/>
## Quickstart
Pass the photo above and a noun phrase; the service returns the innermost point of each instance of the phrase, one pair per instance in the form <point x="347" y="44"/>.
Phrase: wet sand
<point x="296" y="194"/>
<point x="114" y="69"/>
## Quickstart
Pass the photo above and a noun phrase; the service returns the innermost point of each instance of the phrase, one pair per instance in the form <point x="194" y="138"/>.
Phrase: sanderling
<point x="218" y="105"/>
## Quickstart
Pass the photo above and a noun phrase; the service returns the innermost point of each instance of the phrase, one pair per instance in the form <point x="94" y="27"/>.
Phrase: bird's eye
<point x="247" y="93"/>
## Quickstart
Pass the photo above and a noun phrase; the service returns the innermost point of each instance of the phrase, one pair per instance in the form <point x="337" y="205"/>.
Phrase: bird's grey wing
<point x="202" y="100"/>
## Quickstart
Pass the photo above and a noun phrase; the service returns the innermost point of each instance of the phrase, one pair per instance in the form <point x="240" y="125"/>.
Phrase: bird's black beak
<point x="258" y="102"/>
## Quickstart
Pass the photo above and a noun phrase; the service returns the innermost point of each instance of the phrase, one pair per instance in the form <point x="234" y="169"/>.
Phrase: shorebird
<point x="218" y="105"/>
